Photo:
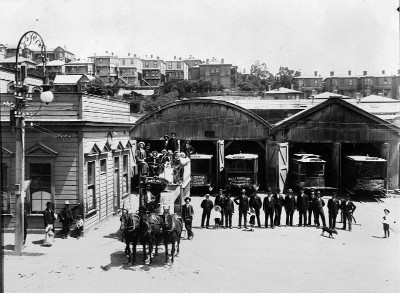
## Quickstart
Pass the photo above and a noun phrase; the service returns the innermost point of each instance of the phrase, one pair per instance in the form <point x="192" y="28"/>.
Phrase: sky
<point x="304" y="35"/>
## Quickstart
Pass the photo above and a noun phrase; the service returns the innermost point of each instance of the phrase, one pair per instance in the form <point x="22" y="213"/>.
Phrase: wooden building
<point x="336" y="128"/>
<point x="77" y="149"/>
<point x="216" y="128"/>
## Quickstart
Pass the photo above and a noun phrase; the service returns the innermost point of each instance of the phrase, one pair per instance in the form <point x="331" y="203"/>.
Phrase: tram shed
<point x="215" y="128"/>
<point x="335" y="129"/>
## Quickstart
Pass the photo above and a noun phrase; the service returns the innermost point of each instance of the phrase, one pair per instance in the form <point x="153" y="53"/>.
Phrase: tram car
<point x="241" y="171"/>
<point x="364" y="175"/>
<point x="201" y="170"/>
<point x="308" y="171"/>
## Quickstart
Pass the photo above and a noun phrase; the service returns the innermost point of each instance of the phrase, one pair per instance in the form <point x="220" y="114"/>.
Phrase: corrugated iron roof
<point x="67" y="79"/>
<point x="376" y="98"/>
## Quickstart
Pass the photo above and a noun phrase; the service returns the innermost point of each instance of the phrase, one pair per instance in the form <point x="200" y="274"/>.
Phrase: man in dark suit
<point x="319" y="209"/>
<point x="188" y="149"/>
<point x="243" y="202"/>
<point x="348" y="207"/>
<point x="165" y="142"/>
<point x="49" y="216"/>
<point x="256" y="204"/>
<point x="220" y="200"/>
<point x="187" y="216"/>
<point x="333" y="210"/>
<point x="207" y="205"/>
<point x="312" y="207"/>
<point x="269" y="208"/>
<point x="67" y="218"/>
<point x="173" y="143"/>
<point x="278" y="197"/>
<point x="302" y="206"/>
<point x="290" y="206"/>
<point x="229" y="210"/>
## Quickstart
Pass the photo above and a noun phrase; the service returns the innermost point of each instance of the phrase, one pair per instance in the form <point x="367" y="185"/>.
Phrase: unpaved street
<point x="286" y="259"/>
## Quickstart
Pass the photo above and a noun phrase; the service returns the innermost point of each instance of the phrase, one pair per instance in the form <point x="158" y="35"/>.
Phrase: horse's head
<point x="168" y="225"/>
<point x="124" y="218"/>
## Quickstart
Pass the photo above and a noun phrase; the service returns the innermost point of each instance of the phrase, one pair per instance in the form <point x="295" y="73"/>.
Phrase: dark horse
<point x="172" y="230"/>
<point x="150" y="233"/>
<point x="130" y="233"/>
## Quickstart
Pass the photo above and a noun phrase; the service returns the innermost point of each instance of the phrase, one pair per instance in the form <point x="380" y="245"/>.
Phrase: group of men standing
<point x="309" y="207"/>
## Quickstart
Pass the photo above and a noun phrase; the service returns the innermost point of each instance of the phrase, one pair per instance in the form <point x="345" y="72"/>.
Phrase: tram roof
<point x="200" y="156"/>
<point x="241" y="156"/>
<point x="306" y="158"/>
<point x="365" y="159"/>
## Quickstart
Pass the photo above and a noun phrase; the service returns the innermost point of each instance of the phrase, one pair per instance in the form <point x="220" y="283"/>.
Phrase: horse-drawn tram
<point x="158" y="219"/>
<point x="241" y="171"/>
<point x="201" y="173"/>
<point x="308" y="171"/>
<point x="364" y="175"/>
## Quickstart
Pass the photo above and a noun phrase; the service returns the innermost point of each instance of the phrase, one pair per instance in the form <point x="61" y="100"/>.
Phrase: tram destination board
<point x="198" y="180"/>
<point x="240" y="180"/>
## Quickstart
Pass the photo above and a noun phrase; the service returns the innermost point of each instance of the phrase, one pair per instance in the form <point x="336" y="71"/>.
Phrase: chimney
<point x="335" y="91"/>
<point x="332" y="73"/>
<point x="129" y="54"/>
<point x="180" y="58"/>
<point x="112" y="53"/>
<point x="158" y="57"/>
<point x="151" y="56"/>
<point x="207" y="60"/>
<point x="190" y="57"/>
<point x="106" y="52"/>
<point x="134" y="55"/>
<point x="222" y="60"/>
<point x="291" y="86"/>
<point x="365" y="72"/>
<point x="269" y="87"/>
<point x="383" y="71"/>
<point x="315" y="73"/>
<point x="174" y="57"/>
<point x="349" y="72"/>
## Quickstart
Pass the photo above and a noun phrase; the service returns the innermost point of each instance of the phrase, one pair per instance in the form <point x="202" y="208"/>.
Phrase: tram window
<point x="312" y="169"/>
<point x="240" y="165"/>
<point x="201" y="166"/>
<point x="370" y="169"/>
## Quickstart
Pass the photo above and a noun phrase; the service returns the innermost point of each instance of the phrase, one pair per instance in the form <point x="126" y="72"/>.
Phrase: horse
<point x="150" y="232"/>
<point x="130" y="233"/>
<point x="172" y="230"/>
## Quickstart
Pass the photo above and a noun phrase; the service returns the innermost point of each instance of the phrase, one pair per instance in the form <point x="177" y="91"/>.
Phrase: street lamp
<point x="22" y="95"/>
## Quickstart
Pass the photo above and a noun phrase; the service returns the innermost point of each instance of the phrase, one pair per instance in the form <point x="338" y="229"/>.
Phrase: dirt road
<point x="285" y="259"/>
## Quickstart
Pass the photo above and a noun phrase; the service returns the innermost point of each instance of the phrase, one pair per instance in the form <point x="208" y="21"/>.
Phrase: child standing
<point x="79" y="226"/>
<point x="386" y="220"/>
<point x="252" y="218"/>
<point x="217" y="216"/>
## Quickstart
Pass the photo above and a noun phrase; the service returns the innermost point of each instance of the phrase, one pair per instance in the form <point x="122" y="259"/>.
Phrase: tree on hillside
<point x="285" y="77"/>
<point x="259" y="76"/>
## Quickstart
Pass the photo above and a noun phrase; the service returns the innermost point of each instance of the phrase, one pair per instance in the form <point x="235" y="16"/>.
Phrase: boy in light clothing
<point x="79" y="226"/>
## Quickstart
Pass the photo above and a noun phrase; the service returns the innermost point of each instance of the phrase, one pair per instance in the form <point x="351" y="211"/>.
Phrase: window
<point x="103" y="166"/>
<point x="5" y="196"/>
<point x="342" y="81"/>
<point x="315" y="82"/>
<point x="100" y="60"/>
<point x="125" y="185"/>
<point x="131" y="61"/>
<point x="40" y="188"/>
<point x="123" y="61"/>
<point x="170" y="65"/>
<point x="300" y="82"/>
<point x="91" y="190"/>
<point x="146" y="64"/>
<point x="334" y="81"/>
<point x="217" y="70"/>
<point x="3" y="183"/>
<point x="178" y="65"/>
<point x="155" y="63"/>
<point x="350" y="81"/>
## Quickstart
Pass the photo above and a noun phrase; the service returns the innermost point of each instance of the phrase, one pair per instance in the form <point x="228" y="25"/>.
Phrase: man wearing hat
<point x="302" y="207"/>
<point x="67" y="217"/>
<point x="220" y="201"/>
<point x="256" y="203"/>
<point x="278" y="206"/>
<point x="243" y="202"/>
<point x="333" y="210"/>
<point x="49" y="216"/>
<point x="165" y="142"/>
<point x="187" y="216"/>
<point x="188" y="149"/>
<point x="319" y="209"/>
<point x="348" y="207"/>
<point x="229" y="209"/>
<point x="207" y="205"/>
<point x="141" y="158"/>
<point x="173" y="144"/>
<point x="269" y="208"/>
<point x="290" y="206"/>
<point x="312" y="207"/>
